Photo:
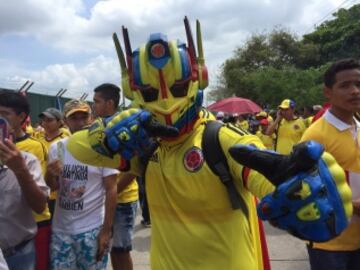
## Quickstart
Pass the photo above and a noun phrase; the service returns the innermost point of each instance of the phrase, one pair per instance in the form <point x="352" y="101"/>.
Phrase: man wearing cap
<point x="264" y="115"/>
<point x="220" y="116"/>
<point x="287" y="127"/>
<point x="267" y="140"/>
<point x="52" y="121"/>
<point x="81" y="228"/>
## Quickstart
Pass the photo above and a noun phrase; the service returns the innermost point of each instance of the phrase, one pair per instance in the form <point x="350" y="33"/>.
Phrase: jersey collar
<point x="336" y="122"/>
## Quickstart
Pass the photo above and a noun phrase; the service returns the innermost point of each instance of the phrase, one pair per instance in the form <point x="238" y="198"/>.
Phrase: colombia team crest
<point x="193" y="159"/>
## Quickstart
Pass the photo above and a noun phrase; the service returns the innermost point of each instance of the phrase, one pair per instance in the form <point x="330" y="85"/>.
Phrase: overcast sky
<point x="68" y="44"/>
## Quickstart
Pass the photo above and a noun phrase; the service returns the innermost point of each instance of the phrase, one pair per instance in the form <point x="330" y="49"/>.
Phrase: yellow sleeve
<point x="312" y="133"/>
<point x="259" y="185"/>
<point x="255" y="182"/>
<point x="78" y="145"/>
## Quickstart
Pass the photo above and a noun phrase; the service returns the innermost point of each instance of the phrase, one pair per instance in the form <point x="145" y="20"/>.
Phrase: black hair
<point x="15" y="101"/>
<point x="341" y="65"/>
<point x="109" y="91"/>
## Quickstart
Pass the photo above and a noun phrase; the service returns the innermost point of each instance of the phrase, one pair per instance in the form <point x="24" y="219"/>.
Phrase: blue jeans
<point x="124" y="226"/>
<point x="23" y="259"/>
<point x="333" y="260"/>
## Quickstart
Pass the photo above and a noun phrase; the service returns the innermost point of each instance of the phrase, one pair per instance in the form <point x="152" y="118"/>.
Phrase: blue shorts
<point x="76" y="251"/>
<point x="124" y="226"/>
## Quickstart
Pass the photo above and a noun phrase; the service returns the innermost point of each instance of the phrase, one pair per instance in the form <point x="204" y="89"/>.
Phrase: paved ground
<point x="286" y="252"/>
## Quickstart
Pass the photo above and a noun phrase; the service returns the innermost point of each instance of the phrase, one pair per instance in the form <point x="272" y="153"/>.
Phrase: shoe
<point x="146" y="224"/>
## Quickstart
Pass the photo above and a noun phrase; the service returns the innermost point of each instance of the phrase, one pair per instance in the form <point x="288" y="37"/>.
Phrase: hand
<point x="128" y="133"/>
<point x="356" y="207"/>
<point x="54" y="168"/>
<point x="11" y="156"/>
<point x="276" y="167"/>
<point x="312" y="200"/>
<point x="279" y="116"/>
<point x="103" y="243"/>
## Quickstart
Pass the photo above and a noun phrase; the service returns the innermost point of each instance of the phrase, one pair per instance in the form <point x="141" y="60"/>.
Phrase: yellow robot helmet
<point x="165" y="77"/>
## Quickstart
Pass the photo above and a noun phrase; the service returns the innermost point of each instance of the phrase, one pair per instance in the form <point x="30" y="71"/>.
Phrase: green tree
<point x="277" y="65"/>
<point x="338" y="38"/>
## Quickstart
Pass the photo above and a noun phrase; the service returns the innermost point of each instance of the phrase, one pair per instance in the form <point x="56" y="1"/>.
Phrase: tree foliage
<point x="272" y="66"/>
<point x="338" y="38"/>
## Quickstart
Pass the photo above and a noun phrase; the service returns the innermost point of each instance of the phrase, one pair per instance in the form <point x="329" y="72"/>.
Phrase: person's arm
<point x="110" y="206"/>
<point x="13" y="158"/>
<point x="53" y="171"/>
<point x="273" y="126"/>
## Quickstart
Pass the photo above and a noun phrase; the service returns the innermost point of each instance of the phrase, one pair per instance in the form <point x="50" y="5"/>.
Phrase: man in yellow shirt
<point x="106" y="102"/>
<point x="339" y="131"/>
<point x="287" y="127"/>
<point x="52" y="121"/>
<point x="268" y="141"/>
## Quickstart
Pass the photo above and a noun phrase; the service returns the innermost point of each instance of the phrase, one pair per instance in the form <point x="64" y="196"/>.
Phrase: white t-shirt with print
<point x="81" y="194"/>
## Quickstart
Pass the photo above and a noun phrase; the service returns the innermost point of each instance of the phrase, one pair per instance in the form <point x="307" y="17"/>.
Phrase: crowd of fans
<point x="59" y="213"/>
<point x="268" y="125"/>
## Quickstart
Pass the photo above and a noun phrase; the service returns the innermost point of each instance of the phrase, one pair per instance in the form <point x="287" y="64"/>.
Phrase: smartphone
<point x="4" y="130"/>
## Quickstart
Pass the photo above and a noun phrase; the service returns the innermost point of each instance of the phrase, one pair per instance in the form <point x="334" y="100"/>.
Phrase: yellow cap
<point x="262" y="114"/>
<point x="74" y="106"/>
<point x="286" y="104"/>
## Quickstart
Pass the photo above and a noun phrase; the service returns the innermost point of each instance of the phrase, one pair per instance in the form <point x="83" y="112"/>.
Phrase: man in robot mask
<point x="194" y="223"/>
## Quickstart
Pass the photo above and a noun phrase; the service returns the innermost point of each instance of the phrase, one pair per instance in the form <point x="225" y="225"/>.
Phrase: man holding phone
<point x="22" y="190"/>
<point x="287" y="127"/>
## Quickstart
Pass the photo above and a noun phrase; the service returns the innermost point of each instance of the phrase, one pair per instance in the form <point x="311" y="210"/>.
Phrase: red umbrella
<point x="235" y="105"/>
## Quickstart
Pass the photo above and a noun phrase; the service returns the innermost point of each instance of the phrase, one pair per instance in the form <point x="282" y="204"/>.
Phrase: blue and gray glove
<point x="129" y="133"/>
<point x="312" y="200"/>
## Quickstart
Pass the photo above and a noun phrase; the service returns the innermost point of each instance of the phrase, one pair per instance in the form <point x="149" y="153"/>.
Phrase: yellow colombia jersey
<point x="288" y="134"/>
<point x="308" y="121"/>
<point x="338" y="140"/>
<point x="33" y="146"/>
<point x="192" y="223"/>
<point x="47" y="144"/>
<point x="267" y="140"/>
<point x="243" y="124"/>
<point x="129" y="194"/>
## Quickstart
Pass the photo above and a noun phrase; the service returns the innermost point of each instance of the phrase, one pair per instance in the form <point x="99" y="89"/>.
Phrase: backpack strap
<point x="217" y="162"/>
<point x="144" y="160"/>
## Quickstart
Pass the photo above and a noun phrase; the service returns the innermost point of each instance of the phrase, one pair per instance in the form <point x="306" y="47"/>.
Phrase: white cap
<point x="220" y="115"/>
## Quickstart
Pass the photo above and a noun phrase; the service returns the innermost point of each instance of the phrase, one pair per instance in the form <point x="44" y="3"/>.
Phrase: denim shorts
<point x="23" y="259"/>
<point x="124" y="226"/>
